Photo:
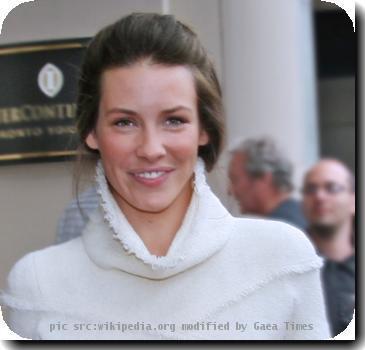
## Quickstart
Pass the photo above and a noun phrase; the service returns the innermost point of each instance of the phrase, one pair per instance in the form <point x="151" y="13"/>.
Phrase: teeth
<point x="150" y="175"/>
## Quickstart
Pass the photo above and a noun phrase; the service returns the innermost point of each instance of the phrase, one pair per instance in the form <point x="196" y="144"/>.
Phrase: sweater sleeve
<point x="309" y="320"/>
<point x="20" y="299"/>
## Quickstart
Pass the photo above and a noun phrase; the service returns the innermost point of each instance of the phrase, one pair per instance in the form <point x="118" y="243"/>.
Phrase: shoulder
<point x="21" y="278"/>
<point x="56" y="264"/>
<point x="24" y="288"/>
<point x="270" y="230"/>
<point x="274" y="242"/>
<point x="58" y="254"/>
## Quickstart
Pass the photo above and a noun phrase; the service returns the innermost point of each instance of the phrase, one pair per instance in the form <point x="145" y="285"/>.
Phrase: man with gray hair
<point x="261" y="181"/>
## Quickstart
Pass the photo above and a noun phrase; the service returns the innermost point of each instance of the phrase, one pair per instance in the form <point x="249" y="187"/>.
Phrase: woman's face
<point x="148" y="134"/>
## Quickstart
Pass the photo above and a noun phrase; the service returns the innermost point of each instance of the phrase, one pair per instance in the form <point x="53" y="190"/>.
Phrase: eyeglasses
<point x="329" y="187"/>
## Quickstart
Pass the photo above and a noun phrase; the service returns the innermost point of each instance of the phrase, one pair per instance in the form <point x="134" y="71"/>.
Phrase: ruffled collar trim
<point x="193" y="241"/>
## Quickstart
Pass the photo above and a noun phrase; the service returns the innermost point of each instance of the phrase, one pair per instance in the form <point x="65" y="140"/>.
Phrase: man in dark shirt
<point x="329" y="205"/>
<point x="339" y="286"/>
<point x="261" y="181"/>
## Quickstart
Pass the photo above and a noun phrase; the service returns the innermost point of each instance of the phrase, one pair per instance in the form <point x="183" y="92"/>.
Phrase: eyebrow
<point x="177" y="108"/>
<point x="121" y="110"/>
<point x="131" y="112"/>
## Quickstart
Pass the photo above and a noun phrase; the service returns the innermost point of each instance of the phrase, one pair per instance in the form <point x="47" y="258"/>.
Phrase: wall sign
<point x="38" y="100"/>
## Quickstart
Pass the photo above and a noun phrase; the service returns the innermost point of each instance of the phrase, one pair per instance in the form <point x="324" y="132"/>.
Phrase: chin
<point x="154" y="206"/>
<point x="322" y="220"/>
<point x="324" y="223"/>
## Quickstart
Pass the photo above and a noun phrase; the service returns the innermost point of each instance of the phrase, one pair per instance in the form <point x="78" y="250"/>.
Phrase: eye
<point x="175" y="121"/>
<point x="125" y="123"/>
<point x="334" y="188"/>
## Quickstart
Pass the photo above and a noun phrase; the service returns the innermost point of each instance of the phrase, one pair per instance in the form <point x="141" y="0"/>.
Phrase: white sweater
<point x="222" y="278"/>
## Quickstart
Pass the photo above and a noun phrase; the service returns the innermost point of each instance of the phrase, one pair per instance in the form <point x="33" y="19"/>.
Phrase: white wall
<point x="269" y="77"/>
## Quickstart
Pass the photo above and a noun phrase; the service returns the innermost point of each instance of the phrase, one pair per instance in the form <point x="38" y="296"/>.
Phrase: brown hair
<point x="162" y="40"/>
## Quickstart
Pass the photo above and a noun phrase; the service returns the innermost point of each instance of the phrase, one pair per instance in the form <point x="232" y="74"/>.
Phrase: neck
<point x="337" y="247"/>
<point x="272" y="202"/>
<point x="158" y="229"/>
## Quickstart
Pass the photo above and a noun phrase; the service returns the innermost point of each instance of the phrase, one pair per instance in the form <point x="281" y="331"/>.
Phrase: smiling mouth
<point x="150" y="175"/>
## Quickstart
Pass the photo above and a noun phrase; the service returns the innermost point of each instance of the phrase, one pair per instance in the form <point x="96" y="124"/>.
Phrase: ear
<point x="203" y="138"/>
<point x="92" y="141"/>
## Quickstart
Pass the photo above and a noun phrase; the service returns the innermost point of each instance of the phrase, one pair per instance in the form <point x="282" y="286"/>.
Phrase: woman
<point x="162" y="258"/>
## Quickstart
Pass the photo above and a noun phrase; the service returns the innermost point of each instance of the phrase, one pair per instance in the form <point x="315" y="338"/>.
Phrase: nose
<point x="150" y="145"/>
<point x="320" y="194"/>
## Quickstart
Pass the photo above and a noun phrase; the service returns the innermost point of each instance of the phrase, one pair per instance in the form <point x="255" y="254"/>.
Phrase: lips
<point x="152" y="176"/>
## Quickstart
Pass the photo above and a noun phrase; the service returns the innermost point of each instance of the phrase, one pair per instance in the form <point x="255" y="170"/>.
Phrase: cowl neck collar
<point x="111" y="242"/>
